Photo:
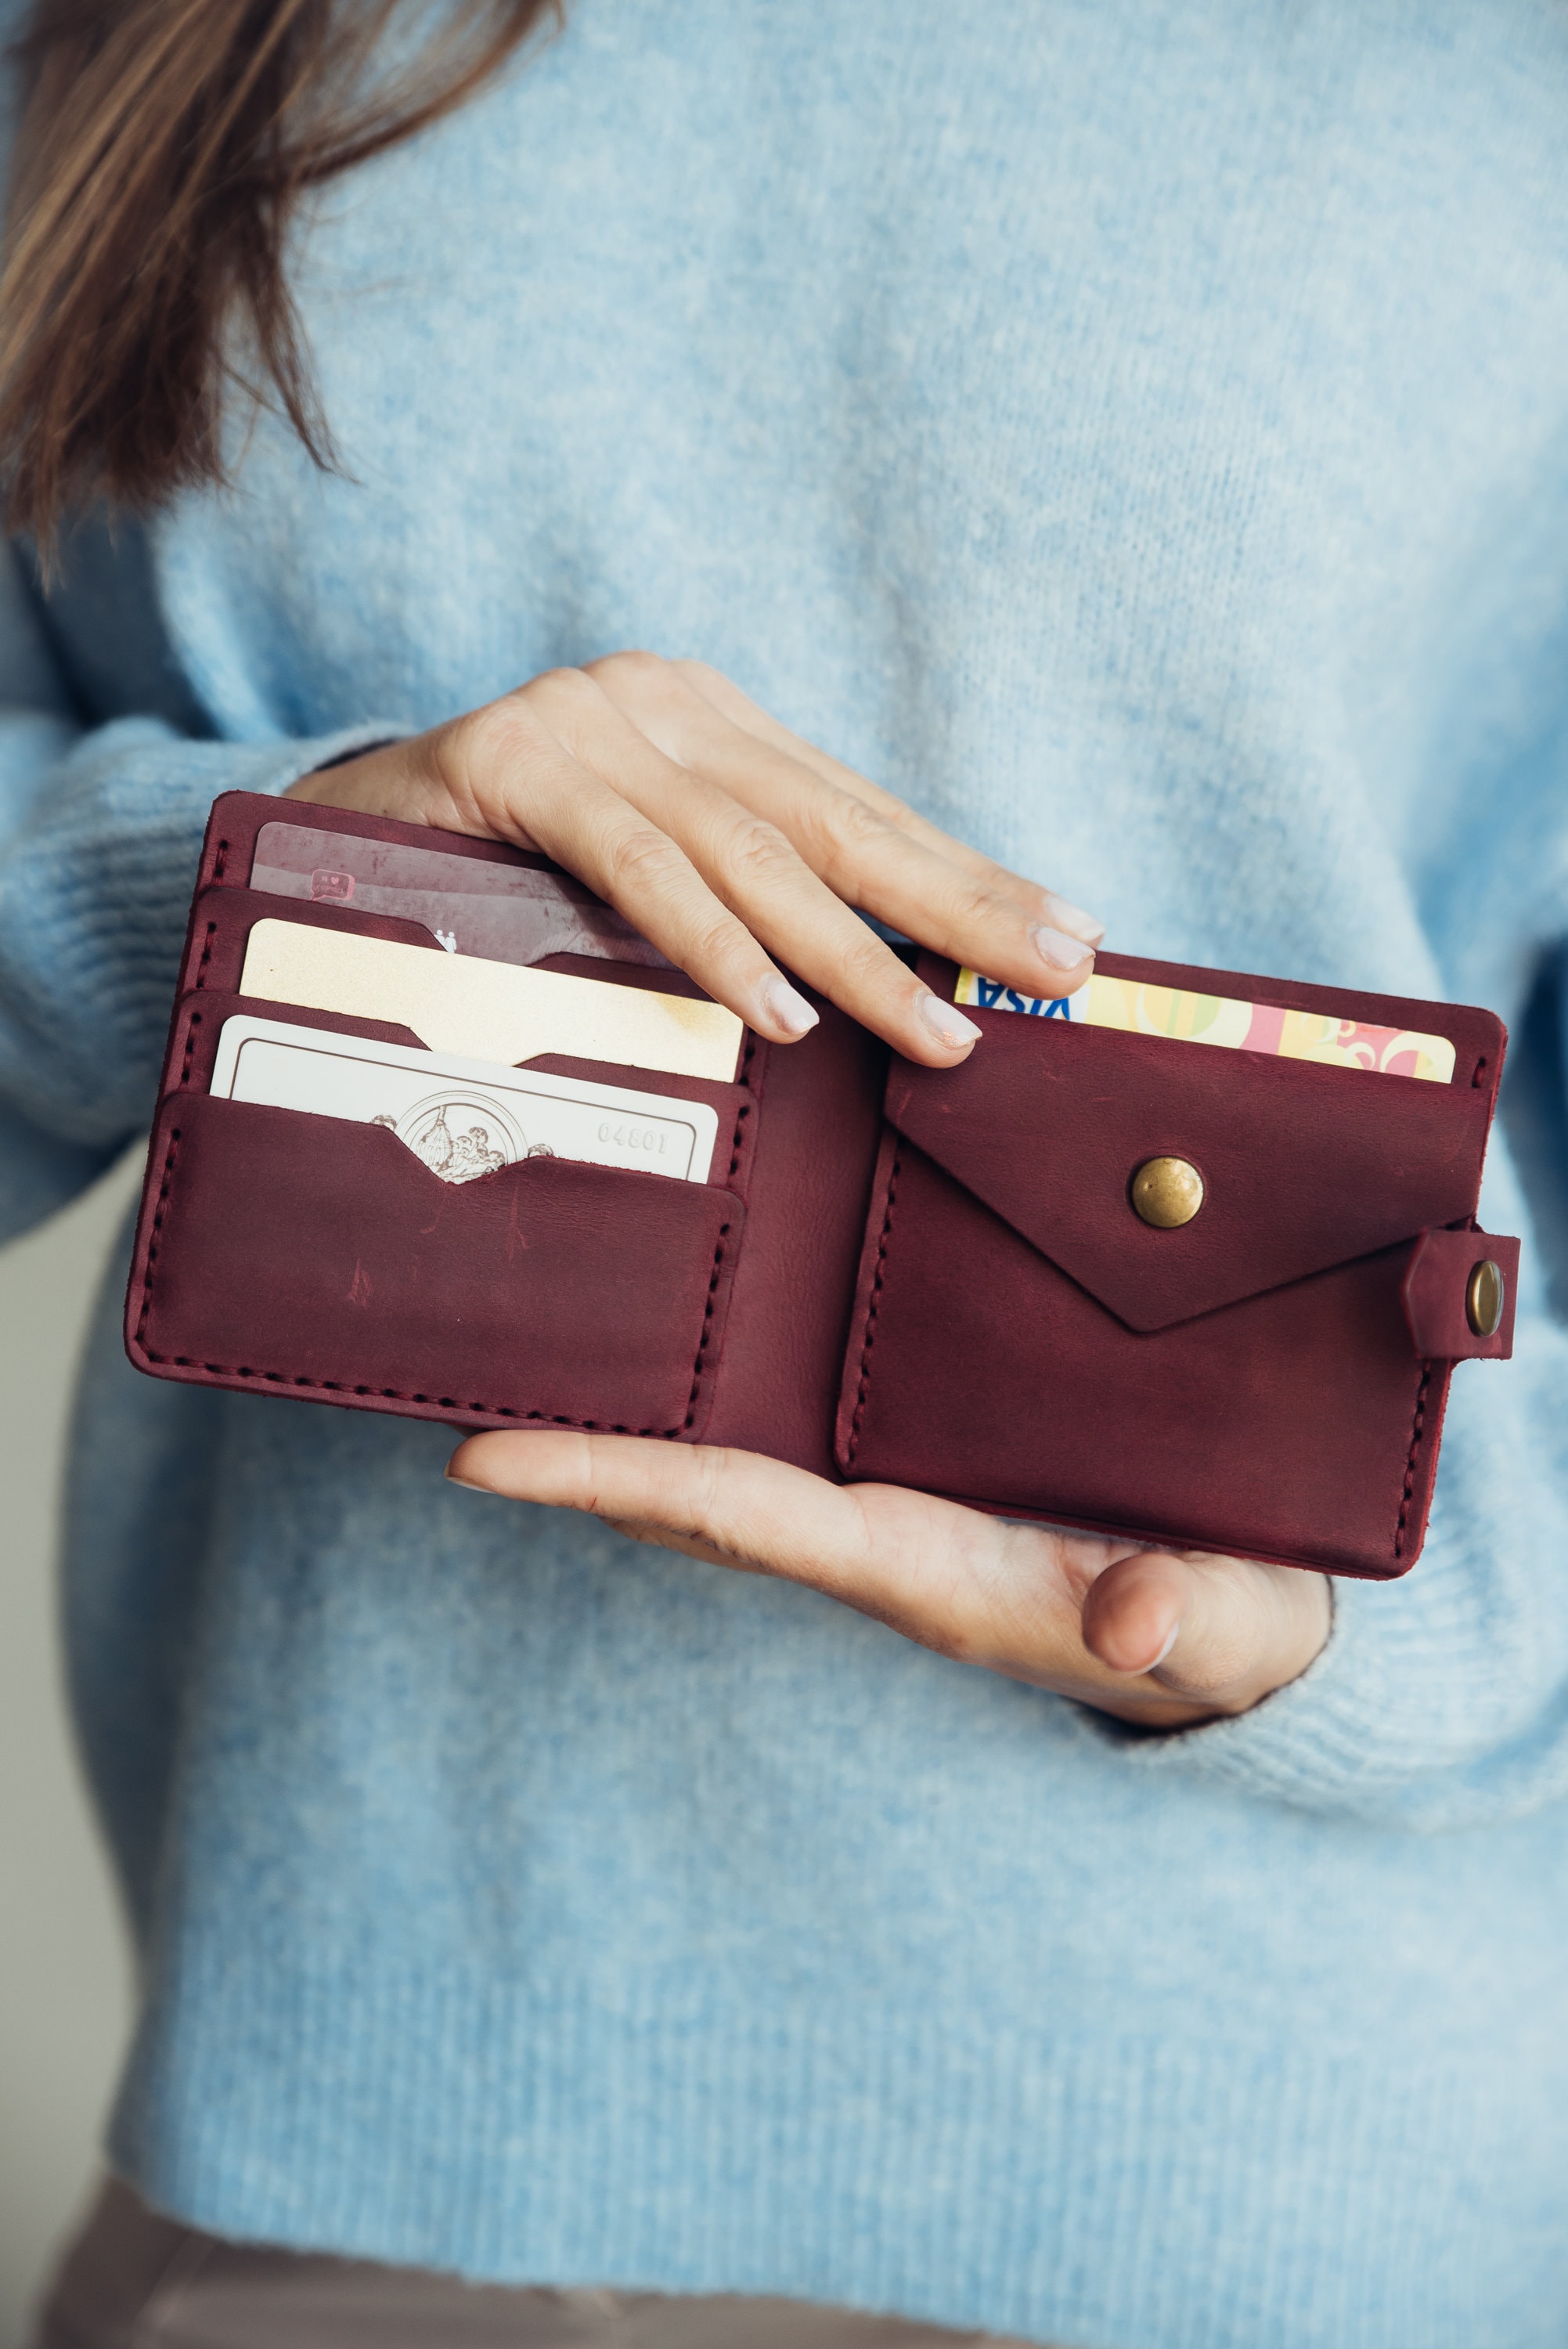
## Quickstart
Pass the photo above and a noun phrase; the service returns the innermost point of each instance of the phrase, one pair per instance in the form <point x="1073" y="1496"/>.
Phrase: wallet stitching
<point x="741" y="1114"/>
<point x="1416" y="1426"/>
<point x="192" y="1025"/>
<point x="706" y="1332"/>
<point x="400" y="1394"/>
<point x="206" y="955"/>
<point x="865" y="1377"/>
<point x="152" y="1245"/>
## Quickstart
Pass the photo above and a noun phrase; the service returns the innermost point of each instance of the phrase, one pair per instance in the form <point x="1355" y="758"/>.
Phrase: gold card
<point x="500" y="1011"/>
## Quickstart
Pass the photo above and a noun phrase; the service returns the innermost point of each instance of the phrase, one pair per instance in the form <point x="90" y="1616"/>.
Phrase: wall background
<point x="65" y="1985"/>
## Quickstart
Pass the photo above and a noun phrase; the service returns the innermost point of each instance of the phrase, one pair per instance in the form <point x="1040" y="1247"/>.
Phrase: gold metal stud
<point x="1167" y="1192"/>
<point x="1486" y="1293"/>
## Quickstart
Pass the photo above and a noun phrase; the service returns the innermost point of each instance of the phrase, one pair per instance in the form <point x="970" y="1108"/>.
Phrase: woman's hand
<point x="727" y="841"/>
<point x="1163" y="1639"/>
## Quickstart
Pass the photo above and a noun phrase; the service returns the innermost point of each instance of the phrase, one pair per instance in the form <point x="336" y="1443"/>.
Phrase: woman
<point x="1136" y="436"/>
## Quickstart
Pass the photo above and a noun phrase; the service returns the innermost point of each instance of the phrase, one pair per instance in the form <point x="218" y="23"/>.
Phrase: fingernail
<point x="469" y="1484"/>
<point x="1069" y="917"/>
<point x="1170" y="1638"/>
<point x="945" y="1020"/>
<point x="1062" y="952"/>
<point x="788" y="1007"/>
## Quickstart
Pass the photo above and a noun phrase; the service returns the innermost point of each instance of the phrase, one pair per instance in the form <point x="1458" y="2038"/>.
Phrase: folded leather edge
<point x="1436" y="1287"/>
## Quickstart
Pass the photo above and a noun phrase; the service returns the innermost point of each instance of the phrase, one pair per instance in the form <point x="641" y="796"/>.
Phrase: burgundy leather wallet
<point x="935" y="1278"/>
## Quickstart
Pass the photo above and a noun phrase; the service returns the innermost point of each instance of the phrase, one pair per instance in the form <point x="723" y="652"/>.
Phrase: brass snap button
<point x="1167" y="1192"/>
<point x="1486" y="1293"/>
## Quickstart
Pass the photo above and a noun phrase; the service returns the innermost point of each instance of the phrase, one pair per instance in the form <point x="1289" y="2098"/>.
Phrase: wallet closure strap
<point x="1459" y="1295"/>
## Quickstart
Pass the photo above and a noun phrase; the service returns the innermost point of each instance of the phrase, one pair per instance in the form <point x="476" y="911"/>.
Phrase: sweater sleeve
<point x="1441" y="1700"/>
<point x="100" y="834"/>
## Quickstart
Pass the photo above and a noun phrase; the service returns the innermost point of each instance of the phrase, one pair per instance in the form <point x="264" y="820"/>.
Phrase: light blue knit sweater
<point x="1137" y="432"/>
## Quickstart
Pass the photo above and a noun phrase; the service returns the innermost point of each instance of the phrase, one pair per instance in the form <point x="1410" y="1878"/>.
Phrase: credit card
<point x="463" y="1118"/>
<point x="1225" y="1020"/>
<point x="489" y="1010"/>
<point x="505" y="912"/>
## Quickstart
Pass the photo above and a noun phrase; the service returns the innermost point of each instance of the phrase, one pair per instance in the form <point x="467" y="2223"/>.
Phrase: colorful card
<point x="1138" y="1010"/>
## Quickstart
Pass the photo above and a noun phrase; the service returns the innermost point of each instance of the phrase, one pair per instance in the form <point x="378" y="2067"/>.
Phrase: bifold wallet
<point x="935" y="1278"/>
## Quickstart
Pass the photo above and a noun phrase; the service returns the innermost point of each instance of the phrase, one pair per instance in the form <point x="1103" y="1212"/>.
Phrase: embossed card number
<point x="650" y="1141"/>
<point x="463" y="1119"/>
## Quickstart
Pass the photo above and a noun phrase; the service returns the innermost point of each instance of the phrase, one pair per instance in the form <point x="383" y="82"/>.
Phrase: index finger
<point x="725" y="697"/>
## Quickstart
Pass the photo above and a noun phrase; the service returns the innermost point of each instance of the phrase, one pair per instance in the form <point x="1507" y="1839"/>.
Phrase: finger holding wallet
<point x="1159" y="1637"/>
<point x="728" y="843"/>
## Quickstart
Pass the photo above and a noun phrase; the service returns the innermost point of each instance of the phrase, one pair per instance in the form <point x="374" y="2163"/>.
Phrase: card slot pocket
<point x="282" y="1252"/>
<point x="200" y="1019"/>
<point x="738" y="1105"/>
<point x="237" y="818"/>
<point x="221" y="920"/>
<point x="197" y="1027"/>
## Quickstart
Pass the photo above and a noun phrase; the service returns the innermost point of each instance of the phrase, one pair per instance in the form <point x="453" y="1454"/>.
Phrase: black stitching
<point x="190" y="1047"/>
<point x="206" y="955"/>
<point x="865" y="1378"/>
<point x="1411" y="1458"/>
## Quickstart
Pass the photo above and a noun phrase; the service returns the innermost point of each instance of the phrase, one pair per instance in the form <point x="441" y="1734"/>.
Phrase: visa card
<point x="1225" y="1020"/>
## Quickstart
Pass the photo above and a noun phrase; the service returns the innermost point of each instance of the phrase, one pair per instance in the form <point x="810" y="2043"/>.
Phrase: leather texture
<point x="1296" y="1424"/>
<point x="932" y="1278"/>
<point x="1048" y="1122"/>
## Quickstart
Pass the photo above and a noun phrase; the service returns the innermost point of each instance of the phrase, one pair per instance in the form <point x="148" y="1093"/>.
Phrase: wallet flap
<point x="1303" y="1167"/>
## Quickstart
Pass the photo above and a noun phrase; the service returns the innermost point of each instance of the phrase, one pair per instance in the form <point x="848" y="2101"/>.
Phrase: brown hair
<point x="163" y="149"/>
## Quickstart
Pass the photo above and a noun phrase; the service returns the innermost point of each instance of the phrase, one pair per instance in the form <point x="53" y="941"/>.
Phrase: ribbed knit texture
<point x="1140" y="435"/>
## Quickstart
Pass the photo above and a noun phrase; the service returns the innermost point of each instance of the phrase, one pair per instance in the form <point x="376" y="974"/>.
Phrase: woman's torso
<point x="1136" y="436"/>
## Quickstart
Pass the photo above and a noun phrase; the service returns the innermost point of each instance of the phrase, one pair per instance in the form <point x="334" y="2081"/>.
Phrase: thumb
<point x="1222" y="1631"/>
